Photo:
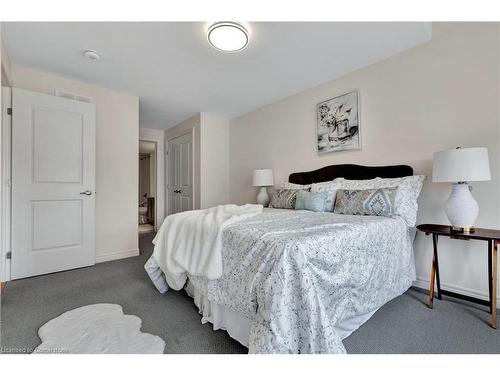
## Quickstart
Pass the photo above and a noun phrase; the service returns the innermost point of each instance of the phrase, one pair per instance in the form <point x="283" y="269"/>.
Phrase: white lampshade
<point x="263" y="177"/>
<point x="461" y="164"/>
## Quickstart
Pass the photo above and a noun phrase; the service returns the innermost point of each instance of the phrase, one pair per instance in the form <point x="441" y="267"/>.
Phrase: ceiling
<point x="176" y="73"/>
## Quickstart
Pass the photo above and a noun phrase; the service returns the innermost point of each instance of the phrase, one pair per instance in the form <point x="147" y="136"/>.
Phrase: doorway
<point x="147" y="186"/>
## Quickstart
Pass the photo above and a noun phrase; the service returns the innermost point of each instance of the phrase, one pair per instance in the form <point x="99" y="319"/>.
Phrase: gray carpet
<point x="404" y="325"/>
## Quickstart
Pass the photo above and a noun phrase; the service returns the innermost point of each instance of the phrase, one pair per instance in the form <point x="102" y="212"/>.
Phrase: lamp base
<point x="461" y="208"/>
<point x="263" y="197"/>
<point x="464" y="230"/>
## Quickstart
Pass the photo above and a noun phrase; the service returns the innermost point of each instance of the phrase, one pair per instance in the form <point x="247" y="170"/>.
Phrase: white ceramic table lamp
<point x="460" y="166"/>
<point x="263" y="178"/>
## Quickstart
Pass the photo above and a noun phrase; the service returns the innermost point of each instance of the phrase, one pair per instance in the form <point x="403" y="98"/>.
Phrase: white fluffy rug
<point x="99" y="328"/>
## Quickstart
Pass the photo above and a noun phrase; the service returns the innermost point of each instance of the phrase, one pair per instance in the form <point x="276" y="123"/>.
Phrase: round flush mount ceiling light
<point x="227" y="36"/>
<point x="91" y="54"/>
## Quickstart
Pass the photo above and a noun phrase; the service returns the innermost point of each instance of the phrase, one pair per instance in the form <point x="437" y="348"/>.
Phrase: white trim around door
<point x="5" y="167"/>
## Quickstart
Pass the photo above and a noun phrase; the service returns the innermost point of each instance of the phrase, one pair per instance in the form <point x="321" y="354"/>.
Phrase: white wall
<point x="436" y="96"/>
<point x="6" y="65"/>
<point x="152" y="175"/>
<point x="214" y="160"/>
<point x="158" y="136"/>
<point x="117" y="147"/>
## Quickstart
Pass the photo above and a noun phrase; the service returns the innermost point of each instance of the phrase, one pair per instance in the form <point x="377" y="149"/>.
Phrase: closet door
<point x="180" y="175"/>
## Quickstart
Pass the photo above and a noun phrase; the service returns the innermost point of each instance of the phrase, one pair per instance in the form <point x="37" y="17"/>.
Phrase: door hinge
<point x="9" y="111"/>
<point x="8" y="255"/>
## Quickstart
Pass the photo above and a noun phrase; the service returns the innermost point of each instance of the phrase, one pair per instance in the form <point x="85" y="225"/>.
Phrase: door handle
<point x="86" y="192"/>
<point x="177" y="191"/>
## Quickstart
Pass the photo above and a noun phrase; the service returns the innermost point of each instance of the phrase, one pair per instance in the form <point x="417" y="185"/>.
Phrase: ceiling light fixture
<point x="227" y="36"/>
<point x="91" y="54"/>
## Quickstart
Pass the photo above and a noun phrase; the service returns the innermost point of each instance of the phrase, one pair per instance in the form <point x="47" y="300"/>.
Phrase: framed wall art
<point x="338" y="123"/>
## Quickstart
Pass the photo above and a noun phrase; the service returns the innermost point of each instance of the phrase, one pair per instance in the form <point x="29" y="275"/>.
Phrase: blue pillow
<point x="311" y="201"/>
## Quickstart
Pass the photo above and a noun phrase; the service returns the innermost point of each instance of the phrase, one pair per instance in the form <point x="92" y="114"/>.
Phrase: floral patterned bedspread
<point x="296" y="273"/>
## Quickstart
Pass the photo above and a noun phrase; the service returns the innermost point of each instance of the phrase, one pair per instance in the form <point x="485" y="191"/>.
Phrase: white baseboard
<point x="424" y="284"/>
<point x="116" y="255"/>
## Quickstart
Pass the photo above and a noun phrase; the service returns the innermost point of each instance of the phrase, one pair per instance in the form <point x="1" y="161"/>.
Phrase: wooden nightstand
<point x="492" y="237"/>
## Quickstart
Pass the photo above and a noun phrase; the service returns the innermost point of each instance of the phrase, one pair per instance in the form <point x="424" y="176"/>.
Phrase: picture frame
<point x="338" y="123"/>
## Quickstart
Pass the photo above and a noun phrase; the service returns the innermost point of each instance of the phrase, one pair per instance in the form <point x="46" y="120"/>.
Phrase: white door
<point x="53" y="183"/>
<point x="180" y="174"/>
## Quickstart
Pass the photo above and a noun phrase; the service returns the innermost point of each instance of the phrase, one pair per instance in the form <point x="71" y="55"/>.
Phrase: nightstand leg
<point x="494" y="286"/>
<point x="436" y="264"/>
<point x="431" y="286"/>
<point x="490" y="276"/>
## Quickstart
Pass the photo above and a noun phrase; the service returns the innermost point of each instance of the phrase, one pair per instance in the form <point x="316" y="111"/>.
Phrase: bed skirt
<point x="238" y="326"/>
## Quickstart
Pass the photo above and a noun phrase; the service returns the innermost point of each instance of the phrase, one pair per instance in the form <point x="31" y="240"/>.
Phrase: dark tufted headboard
<point x="350" y="172"/>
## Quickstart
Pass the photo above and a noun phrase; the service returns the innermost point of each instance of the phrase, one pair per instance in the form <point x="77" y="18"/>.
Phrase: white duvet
<point x="190" y="242"/>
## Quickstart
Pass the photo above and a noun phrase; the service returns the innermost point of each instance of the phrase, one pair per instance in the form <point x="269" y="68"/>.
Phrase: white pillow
<point x="329" y="186"/>
<point x="406" y="197"/>
<point x="292" y="186"/>
<point x="356" y="184"/>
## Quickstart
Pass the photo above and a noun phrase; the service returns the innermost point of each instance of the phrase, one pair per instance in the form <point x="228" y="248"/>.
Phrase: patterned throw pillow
<point x="409" y="188"/>
<point x="311" y="201"/>
<point x="284" y="198"/>
<point x="331" y="188"/>
<point x="375" y="202"/>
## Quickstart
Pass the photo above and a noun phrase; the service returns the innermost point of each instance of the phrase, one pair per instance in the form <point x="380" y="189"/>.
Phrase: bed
<point x="302" y="281"/>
